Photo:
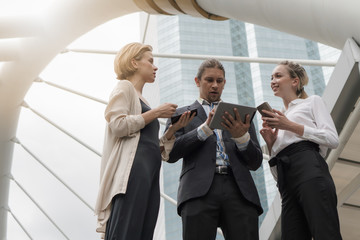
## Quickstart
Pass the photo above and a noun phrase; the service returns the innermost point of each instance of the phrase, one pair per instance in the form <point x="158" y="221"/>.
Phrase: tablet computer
<point x="229" y="107"/>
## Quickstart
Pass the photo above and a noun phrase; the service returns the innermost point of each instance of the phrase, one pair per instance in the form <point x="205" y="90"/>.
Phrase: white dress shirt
<point x="318" y="125"/>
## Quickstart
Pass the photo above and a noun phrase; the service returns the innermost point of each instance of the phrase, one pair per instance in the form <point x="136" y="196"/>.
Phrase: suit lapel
<point x="200" y="111"/>
<point x="201" y="117"/>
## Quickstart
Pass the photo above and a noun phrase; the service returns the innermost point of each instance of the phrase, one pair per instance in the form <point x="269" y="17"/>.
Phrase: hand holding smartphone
<point x="264" y="106"/>
<point x="176" y="117"/>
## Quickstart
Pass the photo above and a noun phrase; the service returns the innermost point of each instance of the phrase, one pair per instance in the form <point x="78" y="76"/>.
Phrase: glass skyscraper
<point x="246" y="83"/>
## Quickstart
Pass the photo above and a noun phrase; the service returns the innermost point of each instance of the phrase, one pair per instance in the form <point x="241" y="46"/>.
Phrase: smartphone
<point x="176" y="118"/>
<point x="264" y="106"/>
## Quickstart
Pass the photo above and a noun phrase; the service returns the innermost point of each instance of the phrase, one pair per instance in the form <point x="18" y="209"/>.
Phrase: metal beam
<point x="349" y="205"/>
<point x="9" y="49"/>
<point x="53" y="174"/>
<point x="38" y="206"/>
<point x="20" y="224"/>
<point x="345" y="135"/>
<point x="305" y="62"/>
<point x="145" y="28"/>
<point x="271" y="225"/>
<point x="342" y="90"/>
<point x="20" y="26"/>
<point x="24" y="104"/>
<point x="349" y="162"/>
<point x="348" y="191"/>
<point x="40" y="80"/>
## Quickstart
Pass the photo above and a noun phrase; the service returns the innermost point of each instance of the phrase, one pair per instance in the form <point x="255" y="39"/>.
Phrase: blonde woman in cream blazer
<point x="128" y="198"/>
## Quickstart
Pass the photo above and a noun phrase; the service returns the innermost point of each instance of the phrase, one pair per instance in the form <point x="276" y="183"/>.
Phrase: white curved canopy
<point x="327" y="22"/>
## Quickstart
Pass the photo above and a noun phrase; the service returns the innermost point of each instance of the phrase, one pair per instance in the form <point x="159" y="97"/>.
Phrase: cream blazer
<point x="123" y="125"/>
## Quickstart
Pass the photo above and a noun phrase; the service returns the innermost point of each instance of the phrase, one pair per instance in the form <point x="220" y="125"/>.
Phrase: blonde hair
<point x="122" y="64"/>
<point x="297" y="71"/>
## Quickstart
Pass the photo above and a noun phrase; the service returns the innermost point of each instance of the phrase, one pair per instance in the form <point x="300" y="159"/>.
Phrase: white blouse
<point x="318" y="125"/>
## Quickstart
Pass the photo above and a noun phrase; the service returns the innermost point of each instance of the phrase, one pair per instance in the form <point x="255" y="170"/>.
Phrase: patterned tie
<point x="222" y="159"/>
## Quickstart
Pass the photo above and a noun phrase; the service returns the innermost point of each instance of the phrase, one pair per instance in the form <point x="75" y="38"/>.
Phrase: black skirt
<point x="134" y="214"/>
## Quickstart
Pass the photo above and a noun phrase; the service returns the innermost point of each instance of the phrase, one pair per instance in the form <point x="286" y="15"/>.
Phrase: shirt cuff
<point x="242" y="142"/>
<point x="308" y="132"/>
<point x="168" y="146"/>
<point x="204" y="131"/>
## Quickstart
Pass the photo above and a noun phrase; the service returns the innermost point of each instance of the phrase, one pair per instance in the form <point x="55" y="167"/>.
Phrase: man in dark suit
<point x="216" y="188"/>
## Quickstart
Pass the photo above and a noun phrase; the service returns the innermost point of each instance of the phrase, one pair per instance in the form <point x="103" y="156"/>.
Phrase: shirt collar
<point x="292" y="103"/>
<point x="296" y="101"/>
<point x="201" y="101"/>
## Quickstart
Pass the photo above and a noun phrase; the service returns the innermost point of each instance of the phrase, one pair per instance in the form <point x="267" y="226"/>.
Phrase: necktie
<point x="221" y="157"/>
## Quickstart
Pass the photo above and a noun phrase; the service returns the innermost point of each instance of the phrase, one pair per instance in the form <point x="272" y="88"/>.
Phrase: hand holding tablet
<point x="229" y="107"/>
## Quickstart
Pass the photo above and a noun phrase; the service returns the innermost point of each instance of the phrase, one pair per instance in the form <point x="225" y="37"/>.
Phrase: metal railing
<point x="305" y="62"/>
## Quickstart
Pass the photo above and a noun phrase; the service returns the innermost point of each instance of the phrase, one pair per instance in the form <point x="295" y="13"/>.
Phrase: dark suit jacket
<point x="199" y="160"/>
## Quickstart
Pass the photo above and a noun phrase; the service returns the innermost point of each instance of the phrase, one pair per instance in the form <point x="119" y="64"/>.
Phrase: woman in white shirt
<point x="298" y="138"/>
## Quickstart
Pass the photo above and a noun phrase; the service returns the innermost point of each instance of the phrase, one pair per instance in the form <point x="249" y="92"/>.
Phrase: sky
<point x="91" y="74"/>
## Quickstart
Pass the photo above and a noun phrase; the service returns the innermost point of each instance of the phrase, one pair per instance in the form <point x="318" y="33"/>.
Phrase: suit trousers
<point x="309" y="201"/>
<point x="223" y="206"/>
<point x="310" y="211"/>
